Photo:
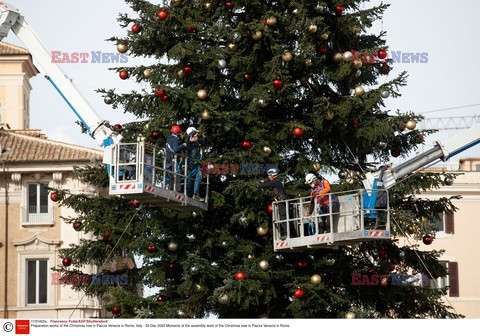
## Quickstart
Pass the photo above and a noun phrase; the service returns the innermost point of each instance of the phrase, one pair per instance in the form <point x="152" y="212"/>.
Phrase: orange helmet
<point x="176" y="129"/>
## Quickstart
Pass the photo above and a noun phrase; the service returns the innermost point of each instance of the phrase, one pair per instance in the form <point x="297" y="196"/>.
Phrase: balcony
<point x="38" y="216"/>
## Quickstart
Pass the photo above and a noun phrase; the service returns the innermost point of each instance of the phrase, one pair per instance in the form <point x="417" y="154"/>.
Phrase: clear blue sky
<point x="447" y="31"/>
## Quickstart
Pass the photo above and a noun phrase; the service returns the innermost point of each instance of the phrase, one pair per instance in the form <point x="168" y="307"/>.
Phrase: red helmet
<point x="176" y="129"/>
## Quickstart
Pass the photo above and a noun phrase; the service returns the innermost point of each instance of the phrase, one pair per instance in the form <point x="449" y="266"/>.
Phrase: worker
<point x="320" y="188"/>
<point x="194" y="155"/>
<point x="174" y="147"/>
<point x="279" y="193"/>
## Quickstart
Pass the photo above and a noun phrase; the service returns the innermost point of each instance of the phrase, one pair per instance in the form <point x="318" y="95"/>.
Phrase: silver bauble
<point x="222" y="63"/>
<point x="385" y="94"/>
<point x="263" y="265"/>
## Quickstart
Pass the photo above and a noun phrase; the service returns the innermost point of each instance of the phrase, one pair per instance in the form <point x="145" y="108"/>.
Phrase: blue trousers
<point x="194" y="179"/>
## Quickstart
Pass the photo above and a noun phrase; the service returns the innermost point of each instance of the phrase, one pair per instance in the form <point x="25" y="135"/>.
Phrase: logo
<point x="8" y="326"/>
<point x="84" y="57"/>
<point x="22" y="327"/>
<point x="245" y="168"/>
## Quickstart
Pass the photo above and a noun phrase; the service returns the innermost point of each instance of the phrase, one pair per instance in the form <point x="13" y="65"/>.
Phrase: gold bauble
<point x="287" y="56"/>
<point x="222" y="92"/>
<point x="122" y="48"/>
<point x="147" y="73"/>
<point x="232" y="47"/>
<point x="324" y="36"/>
<point x="359" y="90"/>
<point x="425" y="220"/>
<point x="412" y="229"/>
<point x="263" y="265"/>
<point x="356" y="29"/>
<point x="262" y="231"/>
<point x="176" y="2"/>
<point x="312" y="28"/>
<point x="205" y="115"/>
<point x="250" y="256"/>
<point x="267" y="150"/>
<point x="261" y="292"/>
<point x="350" y="315"/>
<point x="180" y="73"/>
<point x="308" y="63"/>
<point x="317" y="166"/>
<point x="207" y="6"/>
<point x="337" y="57"/>
<point x="257" y="35"/>
<point x="411" y="124"/>
<point x="329" y="116"/>
<point x="271" y="21"/>
<point x="315" y="279"/>
<point x="199" y="288"/>
<point x="357" y="64"/>
<point x="172" y="246"/>
<point x="202" y="94"/>
<point x="223" y="299"/>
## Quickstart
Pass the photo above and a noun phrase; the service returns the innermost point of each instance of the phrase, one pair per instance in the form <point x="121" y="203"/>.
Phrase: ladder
<point x="155" y="176"/>
<point x="337" y="219"/>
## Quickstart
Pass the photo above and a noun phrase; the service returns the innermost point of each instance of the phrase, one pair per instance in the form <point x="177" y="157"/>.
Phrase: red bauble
<point x="54" y="196"/>
<point x="117" y="127"/>
<point x="371" y="270"/>
<point x="355" y="123"/>
<point x="106" y="235"/>
<point x="135" y="203"/>
<point x="298" y="293"/>
<point x="277" y="83"/>
<point x="151" y="248"/>
<point x="155" y="135"/>
<point x="427" y="239"/>
<point x="382" y="54"/>
<point x="391" y="267"/>
<point x="66" y="262"/>
<point x="301" y="264"/>
<point x="116" y="311"/>
<point x="385" y="69"/>
<point x="160" y="92"/>
<point x="190" y="29"/>
<point x="187" y="70"/>
<point x="229" y="4"/>
<point x="90" y="176"/>
<point x="269" y="209"/>
<point x="161" y="298"/>
<point x="77" y="225"/>
<point x="338" y="10"/>
<point x="395" y="152"/>
<point x="162" y="15"/>
<point x="382" y="253"/>
<point x="322" y="50"/>
<point x="172" y="266"/>
<point x="298" y="132"/>
<point x="123" y="74"/>
<point x="246" y="77"/>
<point x="246" y="145"/>
<point x="419" y="139"/>
<point x="239" y="276"/>
<point x="164" y="98"/>
<point x="136" y="28"/>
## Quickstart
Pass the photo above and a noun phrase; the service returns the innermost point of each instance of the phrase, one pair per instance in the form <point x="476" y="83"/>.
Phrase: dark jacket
<point x="173" y="144"/>
<point x="277" y="187"/>
<point x="193" y="152"/>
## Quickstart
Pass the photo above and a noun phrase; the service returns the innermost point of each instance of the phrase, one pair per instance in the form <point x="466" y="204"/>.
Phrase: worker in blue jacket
<point x="173" y="147"/>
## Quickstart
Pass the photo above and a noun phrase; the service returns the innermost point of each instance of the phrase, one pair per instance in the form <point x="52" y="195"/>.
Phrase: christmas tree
<point x="297" y="84"/>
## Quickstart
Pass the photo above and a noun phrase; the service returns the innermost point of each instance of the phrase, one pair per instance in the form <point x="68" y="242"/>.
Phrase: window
<point x="443" y="222"/>
<point x="450" y="280"/>
<point x="37" y="203"/>
<point x="36" y="281"/>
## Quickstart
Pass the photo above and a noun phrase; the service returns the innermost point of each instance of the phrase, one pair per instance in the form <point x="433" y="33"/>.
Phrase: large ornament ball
<point x="312" y="28"/>
<point x="357" y="64"/>
<point x="287" y="56"/>
<point x="382" y="145"/>
<point x="382" y="53"/>
<point x="232" y="47"/>
<point x="338" y="10"/>
<point x="205" y="115"/>
<point x="257" y="35"/>
<point x="324" y="36"/>
<point x="66" y="262"/>
<point x="240" y="276"/>
<point x="315" y="279"/>
<point x="54" y="197"/>
<point x="116" y="311"/>
<point x="322" y="50"/>
<point x="222" y="63"/>
<point x="122" y="48"/>
<point x="267" y="150"/>
<point x="385" y="94"/>
<point x="262" y="231"/>
<point x="427" y="239"/>
<point x="271" y="21"/>
<point x="147" y="73"/>
<point x="172" y="246"/>
<point x="317" y="166"/>
<point x="356" y="29"/>
<point x="350" y="315"/>
<point x="277" y="83"/>
<point x="123" y="74"/>
<point x="108" y="100"/>
<point x="263" y="265"/>
<point x="162" y="14"/>
<point x="269" y="209"/>
<point x="359" y="90"/>
<point x="250" y="256"/>
<point x="135" y="204"/>
<point x="385" y="69"/>
<point x="347" y="56"/>
<point x="199" y="288"/>
<point x="337" y="57"/>
<point x="329" y="116"/>
<point x="298" y="293"/>
<point x="298" y="132"/>
<point x="412" y="229"/>
<point x="342" y="174"/>
<point x="358" y="73"/>
<point x="411" y="124"/>
<point x="208" y="6"/>
<point x="245" y="145"/>
<point x="136" y="28"/>
<point x="77" y="225"/>
<point x="308" y="63"/>
<point x="202" y="94"/>
<point x="161" y="298"/>
<point x="223" y="299"/>
<point x="448" y="181"/>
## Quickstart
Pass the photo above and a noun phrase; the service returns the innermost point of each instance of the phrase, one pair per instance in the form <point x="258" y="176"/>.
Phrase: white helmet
<point x="191" y="130"/>
<point x="310" y="178"/>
